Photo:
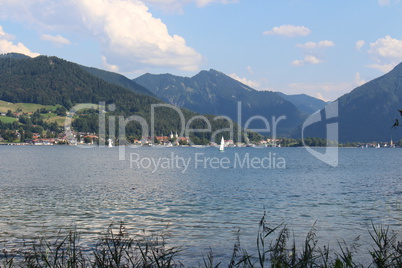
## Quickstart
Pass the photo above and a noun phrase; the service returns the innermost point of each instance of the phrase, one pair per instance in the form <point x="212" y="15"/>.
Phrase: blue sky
<point x="323" y="48"/>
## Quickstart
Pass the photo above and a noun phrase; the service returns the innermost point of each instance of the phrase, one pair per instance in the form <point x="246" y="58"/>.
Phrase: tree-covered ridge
<point x="118" y="80"/>
<point x="14" y="56"/>
<point x="50" y="81"/>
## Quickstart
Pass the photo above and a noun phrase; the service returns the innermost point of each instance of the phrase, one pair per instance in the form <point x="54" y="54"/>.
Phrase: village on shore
<point x="174" y="140"/>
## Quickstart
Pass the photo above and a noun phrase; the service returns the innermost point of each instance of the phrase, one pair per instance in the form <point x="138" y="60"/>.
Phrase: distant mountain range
<point x="367" y="113"/>
<point x="51" y="81"/>
<point x="304" y="103"/>
<point x="213" y="92"/>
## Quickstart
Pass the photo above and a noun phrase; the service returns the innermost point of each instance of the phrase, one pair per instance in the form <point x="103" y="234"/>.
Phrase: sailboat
<point x="109" y="143"/>
<point x="222" y="146"/>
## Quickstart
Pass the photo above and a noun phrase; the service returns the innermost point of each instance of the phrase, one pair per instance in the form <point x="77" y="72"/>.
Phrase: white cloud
<point x="327" y="91"/>
<point x="4" y="35"/>
<point x="384" y="68"/>
<point x="289" y="31"/>
<point x="307" y="59"/>
<point x="178" y="5"/>
<point x="387" y="47"/>
<point x="319" y="96"/>
<point x="387" y="52"/>
<point x="109" y="67"/>
<point x="250" y="69"/>
<point x="202" y="3"/>
<point x="250" y="83"/>
<point x="57" y="39"/>
<point x="383" y="2"/>
<point x="313" y="45"/>
<point x="312" y="59"/>
<point x="359" y="80"/>
<point x="129" y="36"/>
<point x="323" y="91"/>
<point x="360" y="44"/>
<point x="7" y="46"/>
<point x="297" y="62"/>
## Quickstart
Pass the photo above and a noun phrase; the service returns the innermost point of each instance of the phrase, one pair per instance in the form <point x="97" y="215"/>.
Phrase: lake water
<point x="44" y="189"/>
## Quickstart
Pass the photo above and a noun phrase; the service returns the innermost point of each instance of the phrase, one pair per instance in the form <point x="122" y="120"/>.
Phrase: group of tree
<point x="26" y="125"/>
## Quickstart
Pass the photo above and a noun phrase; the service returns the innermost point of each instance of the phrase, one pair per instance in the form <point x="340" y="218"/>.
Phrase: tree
<point x="22" y="133"/>
<point x="183" y="142"/>
<point x="87" y="139"/>
<point x="61" y="111"/>
<point x="28" y="134"/>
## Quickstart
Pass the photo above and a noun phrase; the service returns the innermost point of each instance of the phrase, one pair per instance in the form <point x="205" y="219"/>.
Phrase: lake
<point x="199" y="197"/>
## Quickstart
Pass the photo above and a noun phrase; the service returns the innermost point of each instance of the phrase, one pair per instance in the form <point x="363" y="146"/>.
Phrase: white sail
<point x="110" y="143"/>
<point x="222" y="146"/>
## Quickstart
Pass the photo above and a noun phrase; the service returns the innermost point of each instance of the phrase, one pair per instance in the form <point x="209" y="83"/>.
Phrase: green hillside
<point x="24" y="107"/>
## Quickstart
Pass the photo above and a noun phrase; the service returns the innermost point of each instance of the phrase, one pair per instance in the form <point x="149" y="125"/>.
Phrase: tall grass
<point x="274" y="247"/>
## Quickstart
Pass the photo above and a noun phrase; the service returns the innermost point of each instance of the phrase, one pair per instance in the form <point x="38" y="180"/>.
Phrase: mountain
<point x="367" y="113"/>
<point x="304" y="103"/>
<point x="213" y="92"/>
<point x="118" y="80"/>
<point x="51" y="81"/>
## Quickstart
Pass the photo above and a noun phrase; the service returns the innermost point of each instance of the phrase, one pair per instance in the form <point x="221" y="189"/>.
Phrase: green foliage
<point x="115" y="249"/>
<point x="310" y="141"/>
<point x="50" y="81"/>
<point x="274" y="248"/>
<point x="61" y="111"/>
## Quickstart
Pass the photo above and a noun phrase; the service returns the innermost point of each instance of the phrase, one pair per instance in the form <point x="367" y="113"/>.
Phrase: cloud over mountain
<point x="129" y="36"/>
<point x="245" y="81"/>
<point x="7" y="45"/>
<point x="387" y="52"/>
